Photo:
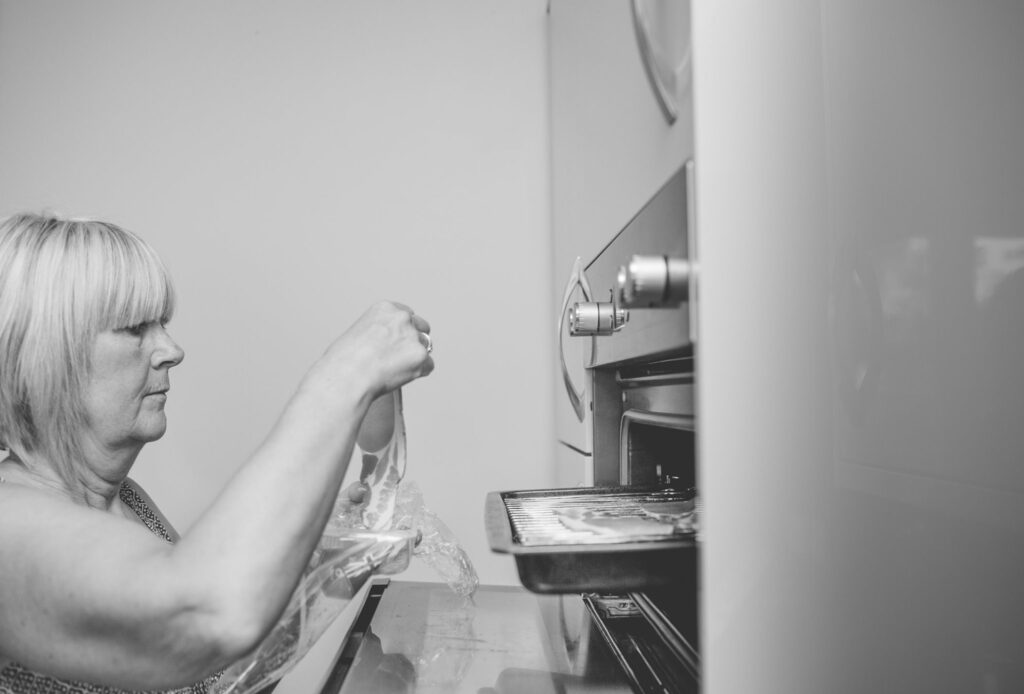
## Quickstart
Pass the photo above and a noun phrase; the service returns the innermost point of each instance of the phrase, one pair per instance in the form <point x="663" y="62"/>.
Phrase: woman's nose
<point x="167" y="352"/>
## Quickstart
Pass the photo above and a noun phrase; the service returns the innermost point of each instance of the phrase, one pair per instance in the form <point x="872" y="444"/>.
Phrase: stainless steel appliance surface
<point x="639" y="580"/>
<point x="422" y="637"/>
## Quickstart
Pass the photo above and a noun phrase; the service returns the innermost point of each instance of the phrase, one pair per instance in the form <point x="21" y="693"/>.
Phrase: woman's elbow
<point x="215" y="632"/>
<point x="228" y="635"/>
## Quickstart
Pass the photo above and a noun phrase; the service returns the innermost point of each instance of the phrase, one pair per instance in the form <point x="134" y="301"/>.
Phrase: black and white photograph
<point x="511" y="347"/>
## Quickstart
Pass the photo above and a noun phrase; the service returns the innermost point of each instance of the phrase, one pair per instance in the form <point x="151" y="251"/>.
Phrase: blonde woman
<point x="95" y="585"/>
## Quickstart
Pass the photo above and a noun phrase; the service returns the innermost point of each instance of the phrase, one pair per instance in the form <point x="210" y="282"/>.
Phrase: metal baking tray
<point x="552" y="557"/>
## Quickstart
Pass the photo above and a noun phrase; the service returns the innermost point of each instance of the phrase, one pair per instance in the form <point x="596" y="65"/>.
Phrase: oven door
<point x="423" y="638"/>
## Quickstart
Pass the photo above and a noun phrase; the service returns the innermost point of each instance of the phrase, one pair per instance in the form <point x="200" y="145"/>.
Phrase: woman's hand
<point x="387" y="347"/>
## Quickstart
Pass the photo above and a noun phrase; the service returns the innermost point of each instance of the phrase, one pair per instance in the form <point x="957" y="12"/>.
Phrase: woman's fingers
<point x="383" y="340"/>
<point x="422" y="328"/>
<point x="420" y="323"/>
<point x="427" y="367"/>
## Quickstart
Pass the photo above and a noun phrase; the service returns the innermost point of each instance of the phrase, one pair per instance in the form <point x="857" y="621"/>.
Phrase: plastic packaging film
<point x="438" y="547"/>
<point x="392" y="503"/>
<point x="337" y="570"/>
<point x="376" y="536"/>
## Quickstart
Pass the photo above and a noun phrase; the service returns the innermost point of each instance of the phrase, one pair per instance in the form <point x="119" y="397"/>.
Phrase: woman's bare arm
<point x="85" y="595"/>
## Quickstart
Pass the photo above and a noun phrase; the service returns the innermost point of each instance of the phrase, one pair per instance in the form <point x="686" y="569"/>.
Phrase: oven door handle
<point x="576" y="279"/>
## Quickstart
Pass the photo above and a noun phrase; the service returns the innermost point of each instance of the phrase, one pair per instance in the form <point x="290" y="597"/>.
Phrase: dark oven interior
<point x="645" y="436"/>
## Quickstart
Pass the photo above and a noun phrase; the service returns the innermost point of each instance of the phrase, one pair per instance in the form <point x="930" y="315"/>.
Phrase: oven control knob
<point x="653" y="281"/>
<point x="596" y="318"/>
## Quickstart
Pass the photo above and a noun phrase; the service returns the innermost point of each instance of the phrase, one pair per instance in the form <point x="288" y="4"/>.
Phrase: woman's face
<point x="127" y="387"/>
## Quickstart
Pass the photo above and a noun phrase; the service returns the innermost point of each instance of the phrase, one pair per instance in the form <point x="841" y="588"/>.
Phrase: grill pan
<point x="553" y="557"/>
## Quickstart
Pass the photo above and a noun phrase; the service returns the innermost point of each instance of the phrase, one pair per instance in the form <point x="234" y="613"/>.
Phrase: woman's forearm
<point x="250" y="547"/>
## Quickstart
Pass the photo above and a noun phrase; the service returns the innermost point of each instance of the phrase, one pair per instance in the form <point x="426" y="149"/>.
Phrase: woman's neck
<point x="94" y="484"/>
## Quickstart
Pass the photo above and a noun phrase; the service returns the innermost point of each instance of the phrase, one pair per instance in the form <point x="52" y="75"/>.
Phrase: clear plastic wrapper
<point x="394" y="503"/>
<point x="337" y="570"/>
<point x="376" y="536"/>
<point x="438" y="547"/>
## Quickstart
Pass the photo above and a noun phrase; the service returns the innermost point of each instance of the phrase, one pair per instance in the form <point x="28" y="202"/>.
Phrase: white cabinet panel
<point x="861" y="229"/>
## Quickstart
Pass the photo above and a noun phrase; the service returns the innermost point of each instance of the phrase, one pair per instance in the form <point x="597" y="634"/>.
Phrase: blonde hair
<point x="62" y="282"/>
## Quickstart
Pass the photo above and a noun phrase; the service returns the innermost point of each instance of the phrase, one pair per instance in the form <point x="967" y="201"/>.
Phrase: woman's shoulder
<point x="39" y="525"/>
<point x="17" y="499"/>
<point x="25" y="509"/>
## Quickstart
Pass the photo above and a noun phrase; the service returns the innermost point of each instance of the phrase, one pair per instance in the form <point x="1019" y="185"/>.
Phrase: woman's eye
<point x="135" y="330"/>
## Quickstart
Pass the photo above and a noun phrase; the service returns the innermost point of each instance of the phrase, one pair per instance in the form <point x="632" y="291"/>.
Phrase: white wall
<point x="294" y="162"/>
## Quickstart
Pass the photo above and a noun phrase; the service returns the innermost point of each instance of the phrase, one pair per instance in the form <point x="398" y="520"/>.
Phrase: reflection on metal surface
<point x="380" y="672"/>
<point x="925" y="515"/>
<point x="926" y="333"/>
<point x="438" y="661"/>
<point x="421" y="637"/>
<point x="577" y="283"/>
<point x="856" y="324"/>
<point x="663" y="37"/>
<point x="996" y="260"/>
<point x="409" y="646"/>
<point x="903" y="271"/>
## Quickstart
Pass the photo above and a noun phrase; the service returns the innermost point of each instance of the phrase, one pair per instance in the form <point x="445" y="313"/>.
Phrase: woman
<point x="95" y="585"/>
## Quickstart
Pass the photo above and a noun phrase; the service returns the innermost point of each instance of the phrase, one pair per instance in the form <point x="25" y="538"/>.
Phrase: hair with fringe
<point x="62" y="282"/>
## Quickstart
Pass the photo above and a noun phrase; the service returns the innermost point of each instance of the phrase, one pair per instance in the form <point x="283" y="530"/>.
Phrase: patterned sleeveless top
<point x="15" y="679"/>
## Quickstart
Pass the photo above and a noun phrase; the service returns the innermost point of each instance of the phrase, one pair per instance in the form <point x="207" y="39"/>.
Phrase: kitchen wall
<point x="294" y="162"/>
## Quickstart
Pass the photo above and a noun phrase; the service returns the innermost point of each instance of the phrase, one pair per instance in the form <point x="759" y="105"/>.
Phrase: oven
<point x="635" y="570"/>
<point x="610" y="569"/>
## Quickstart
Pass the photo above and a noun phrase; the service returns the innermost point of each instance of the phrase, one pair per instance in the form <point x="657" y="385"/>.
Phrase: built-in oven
<point x="629" y="545"/>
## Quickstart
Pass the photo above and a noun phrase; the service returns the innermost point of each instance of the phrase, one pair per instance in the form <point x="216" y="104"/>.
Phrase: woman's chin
<point x="153" y="429"/>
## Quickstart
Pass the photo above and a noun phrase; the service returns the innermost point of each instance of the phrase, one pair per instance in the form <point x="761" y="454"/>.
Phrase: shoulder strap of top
<point x="135" y="502"/>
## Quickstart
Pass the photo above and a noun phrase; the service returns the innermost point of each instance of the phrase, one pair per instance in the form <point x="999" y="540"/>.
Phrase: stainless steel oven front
<point x="638" y="579"/>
